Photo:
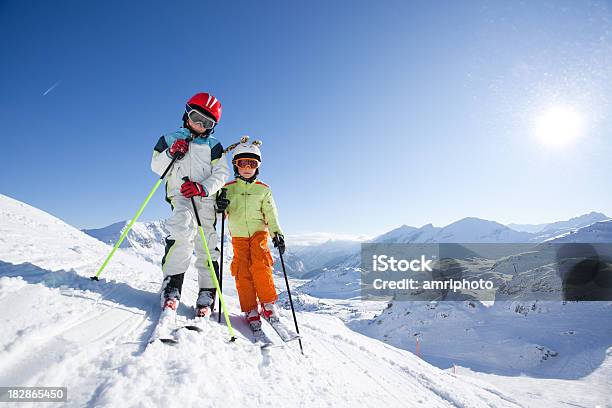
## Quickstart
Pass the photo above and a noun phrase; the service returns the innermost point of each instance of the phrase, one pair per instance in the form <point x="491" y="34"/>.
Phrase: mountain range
<point x="307" y="257"/>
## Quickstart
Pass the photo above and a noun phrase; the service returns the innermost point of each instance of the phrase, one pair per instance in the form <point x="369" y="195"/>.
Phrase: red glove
<point x="181" y="146"/>
<point x="190" y="189"/>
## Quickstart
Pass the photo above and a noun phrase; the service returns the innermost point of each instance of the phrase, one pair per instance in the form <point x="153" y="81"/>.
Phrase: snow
<point x="317" y="238"/>
<point x="560" y="226"/>
<point x="467" y="230"/>
<point x="339" y="283"/>
<point x="62" y="329"/>
<point x="541" y="339"/>
<point x="340" y="370"/>
<point x="599" y="232"/>
<point x="476" y="230"/>
<point x="145" y="239"/>
<point x="590" y="391"/>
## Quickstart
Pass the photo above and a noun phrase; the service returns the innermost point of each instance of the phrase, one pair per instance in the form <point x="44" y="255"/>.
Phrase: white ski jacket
<point x="204" y="163"/>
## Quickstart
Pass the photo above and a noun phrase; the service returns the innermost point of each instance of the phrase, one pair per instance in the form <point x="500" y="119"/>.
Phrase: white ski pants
<point x="184" y="238"/>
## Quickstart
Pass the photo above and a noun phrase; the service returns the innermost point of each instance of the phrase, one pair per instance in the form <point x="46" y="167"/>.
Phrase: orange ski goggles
<point x="247" y="163"/>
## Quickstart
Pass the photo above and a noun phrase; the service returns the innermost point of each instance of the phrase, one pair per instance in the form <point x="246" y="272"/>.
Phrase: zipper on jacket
<point x="189" y="152"/>
<point x="246" y="218"/>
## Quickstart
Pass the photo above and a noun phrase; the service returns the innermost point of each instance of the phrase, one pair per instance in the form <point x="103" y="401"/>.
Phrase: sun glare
<point x="559" y="126"/>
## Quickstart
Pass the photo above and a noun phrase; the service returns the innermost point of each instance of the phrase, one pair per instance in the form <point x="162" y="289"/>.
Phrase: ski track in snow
<point x="96" y="323"/>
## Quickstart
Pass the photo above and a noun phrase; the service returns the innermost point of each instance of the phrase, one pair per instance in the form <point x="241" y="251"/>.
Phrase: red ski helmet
<point x="207" y="104"/>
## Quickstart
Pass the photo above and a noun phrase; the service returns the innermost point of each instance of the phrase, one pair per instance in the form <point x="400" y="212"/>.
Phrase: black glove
<point x="279" y="242"/>
<point x="222" y="202"/>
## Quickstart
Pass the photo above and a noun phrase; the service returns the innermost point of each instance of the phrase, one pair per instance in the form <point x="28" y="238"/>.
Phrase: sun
<point x="559" y="126"/>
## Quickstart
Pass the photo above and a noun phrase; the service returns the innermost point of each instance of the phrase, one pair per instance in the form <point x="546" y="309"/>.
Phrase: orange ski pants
<point x="252" y="269"/>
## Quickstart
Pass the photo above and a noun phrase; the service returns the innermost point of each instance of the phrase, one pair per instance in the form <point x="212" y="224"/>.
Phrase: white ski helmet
<point x="246" y="150"/>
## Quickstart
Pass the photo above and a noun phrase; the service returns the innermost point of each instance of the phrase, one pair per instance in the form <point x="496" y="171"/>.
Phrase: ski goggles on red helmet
<point x="247" y="163"/>
<point x="199" y="118"/>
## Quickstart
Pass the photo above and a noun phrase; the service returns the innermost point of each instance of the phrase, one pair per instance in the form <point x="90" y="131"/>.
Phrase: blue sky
<point x="373" y="114"/>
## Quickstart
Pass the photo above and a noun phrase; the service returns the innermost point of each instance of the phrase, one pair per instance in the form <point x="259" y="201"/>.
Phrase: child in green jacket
<point x="252" y="219"/>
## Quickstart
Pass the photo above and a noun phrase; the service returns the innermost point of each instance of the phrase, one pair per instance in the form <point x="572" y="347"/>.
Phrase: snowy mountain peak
<point x="146" y="239"/>
<point x="598" y="232"/>
<point x="467" y="230"/>
<point x="471" y="222"/>
<point x="108" y="234"/>
<point x="477" y="230"/>
<point x="397" y="235"/>
<point x="577" y="222"/>
<point x="574" y="222"/>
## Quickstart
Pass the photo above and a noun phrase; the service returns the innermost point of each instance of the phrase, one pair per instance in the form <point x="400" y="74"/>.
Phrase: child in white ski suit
<point x="202" y="161"/>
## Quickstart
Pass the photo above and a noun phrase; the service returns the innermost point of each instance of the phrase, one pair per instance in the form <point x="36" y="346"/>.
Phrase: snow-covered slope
<point x="545" y="339"/>
<point x="60" y="328"/>
<point x="337" y="283"/>
<point x="599" y="232"/>
<point x="561" y="226"/>
<point x="318" y="255"/>
<point x="576" y="222"/>
<point x="531" y="228"/>
<point x="29" y="235"/>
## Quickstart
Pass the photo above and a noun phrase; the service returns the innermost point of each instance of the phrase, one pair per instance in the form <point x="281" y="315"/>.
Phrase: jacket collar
<point x="241" y="179"/>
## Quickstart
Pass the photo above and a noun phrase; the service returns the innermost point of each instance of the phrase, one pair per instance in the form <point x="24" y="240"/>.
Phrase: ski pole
<point x="140" y="210"/>
<point x="213" y="275"/>
<point x="290" y="300"/>
<point x="222" y="195"/>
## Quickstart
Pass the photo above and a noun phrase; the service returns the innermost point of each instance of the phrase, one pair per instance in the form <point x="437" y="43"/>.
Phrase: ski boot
<point x="205" y="302"/>
<point x="254" y="321"/>
<point x="171" y="292"/>
<point x="270" y="312"/>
